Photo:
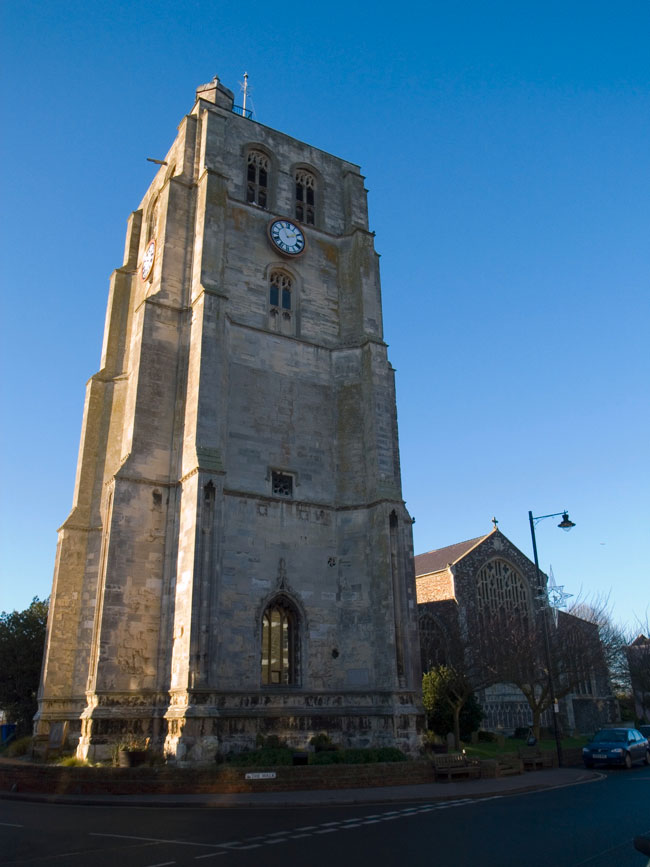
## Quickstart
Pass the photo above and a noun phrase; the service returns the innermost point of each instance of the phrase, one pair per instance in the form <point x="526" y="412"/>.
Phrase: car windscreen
<point x="610" y="737"/>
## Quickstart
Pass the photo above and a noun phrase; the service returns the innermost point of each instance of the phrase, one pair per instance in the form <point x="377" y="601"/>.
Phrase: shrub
<point x="327" y="757"/>
<point x="488" y="737"/>
<point x="323" y="743"/>
<point x="72" y="762"/>
<point x="266" y="757"/>
<point x="357" y="756"/>
<point x="19" y="747"/>
<point x="390" y="754"/>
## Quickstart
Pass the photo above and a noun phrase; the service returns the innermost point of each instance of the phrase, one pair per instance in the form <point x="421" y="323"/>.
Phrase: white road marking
<point x="10" y="825"/>
<point x="158" y="840"/>
<point x="162" y="864"/>
<point x="283" y="836"/>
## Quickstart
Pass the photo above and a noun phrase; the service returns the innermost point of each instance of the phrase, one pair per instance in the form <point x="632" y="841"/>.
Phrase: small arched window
<point x="305" y="196"/>
<point x="279" y="644"/>
<point x="257" y="178"/>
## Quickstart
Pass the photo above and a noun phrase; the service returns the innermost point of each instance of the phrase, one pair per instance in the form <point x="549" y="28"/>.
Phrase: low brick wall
<point x="223" y="779"/>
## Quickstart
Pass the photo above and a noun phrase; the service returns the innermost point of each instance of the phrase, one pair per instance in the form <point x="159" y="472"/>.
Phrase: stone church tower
<point x="238" y="559"/>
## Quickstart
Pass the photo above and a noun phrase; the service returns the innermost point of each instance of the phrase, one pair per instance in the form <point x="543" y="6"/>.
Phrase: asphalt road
<point x="590" y="824"/>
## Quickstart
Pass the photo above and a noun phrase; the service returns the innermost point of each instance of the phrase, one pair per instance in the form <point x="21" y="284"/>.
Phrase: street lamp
<point x="565" y="524"/>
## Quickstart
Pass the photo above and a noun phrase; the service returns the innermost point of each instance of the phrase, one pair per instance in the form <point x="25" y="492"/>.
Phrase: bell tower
<point x="238" y="559"/>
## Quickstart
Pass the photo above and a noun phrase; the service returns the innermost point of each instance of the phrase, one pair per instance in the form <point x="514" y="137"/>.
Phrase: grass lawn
<point x="511" y="745"/>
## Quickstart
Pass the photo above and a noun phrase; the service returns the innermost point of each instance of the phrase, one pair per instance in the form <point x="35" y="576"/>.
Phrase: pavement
<point x="451" y="791"/>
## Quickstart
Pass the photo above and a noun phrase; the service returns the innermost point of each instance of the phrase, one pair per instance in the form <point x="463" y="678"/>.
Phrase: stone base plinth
<point x="195" y="726"/>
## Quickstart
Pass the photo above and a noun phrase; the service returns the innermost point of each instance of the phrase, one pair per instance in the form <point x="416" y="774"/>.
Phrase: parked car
<point x="645" y="731"/>
<point x="616" y="747"/>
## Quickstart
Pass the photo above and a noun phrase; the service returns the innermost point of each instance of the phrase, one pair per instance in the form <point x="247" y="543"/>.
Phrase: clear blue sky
<point x="506" y="147"/>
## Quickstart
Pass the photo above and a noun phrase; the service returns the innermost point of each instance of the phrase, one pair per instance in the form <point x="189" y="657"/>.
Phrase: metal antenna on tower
<point x="245" y="89"/>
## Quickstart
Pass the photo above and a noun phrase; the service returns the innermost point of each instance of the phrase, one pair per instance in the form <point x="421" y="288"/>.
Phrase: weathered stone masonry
<point x="178" y="542"/>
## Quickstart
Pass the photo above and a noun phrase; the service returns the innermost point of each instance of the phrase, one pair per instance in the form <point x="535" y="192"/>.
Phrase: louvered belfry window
<point x="257" y="178"/>
<point x="305" y="197"/>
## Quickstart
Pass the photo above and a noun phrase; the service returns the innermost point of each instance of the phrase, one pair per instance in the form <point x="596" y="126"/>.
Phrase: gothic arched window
<point x="305" y="196"/>
<point x="280" y="643"/>
<point x="281" y="302"/>
<point x="433" y="644"/>
<point x="501" y="591"/>
<point x="257" y="178"/>
<point x="152" y="218"/>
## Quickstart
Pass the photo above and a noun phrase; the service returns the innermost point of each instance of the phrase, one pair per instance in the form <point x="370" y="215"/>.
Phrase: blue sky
<point x="506" y="152"/>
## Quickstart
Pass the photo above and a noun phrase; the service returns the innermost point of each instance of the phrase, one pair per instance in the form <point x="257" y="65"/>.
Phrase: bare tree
<point x="453" y="671"/>
<point x="638" y="656"/>
<point x="512" y="648"/>
<point x="598" y="610"/>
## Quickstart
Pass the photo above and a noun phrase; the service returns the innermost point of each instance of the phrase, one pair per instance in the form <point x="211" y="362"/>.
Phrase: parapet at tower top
<point x="215" y="92"/>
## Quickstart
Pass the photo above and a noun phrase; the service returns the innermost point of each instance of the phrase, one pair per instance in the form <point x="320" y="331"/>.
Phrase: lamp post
<point x="565" y="524"/>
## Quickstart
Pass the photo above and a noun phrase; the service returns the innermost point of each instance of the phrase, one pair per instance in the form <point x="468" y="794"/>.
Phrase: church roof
<point x="433" y="561"/>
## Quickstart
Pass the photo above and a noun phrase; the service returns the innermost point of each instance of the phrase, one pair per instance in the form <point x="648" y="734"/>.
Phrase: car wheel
<point x="646" y="760"/>
<point x="628" y="761"/>
<point x="589" y="764"/>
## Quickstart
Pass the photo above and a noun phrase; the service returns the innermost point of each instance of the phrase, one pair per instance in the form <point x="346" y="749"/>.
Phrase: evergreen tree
<point x="450" y="703"/>
<point x="22" y="640"/>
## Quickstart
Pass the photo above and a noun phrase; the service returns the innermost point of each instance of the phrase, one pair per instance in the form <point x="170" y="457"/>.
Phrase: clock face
<point x="147" y="261"/>
<point x="287" y="237"/>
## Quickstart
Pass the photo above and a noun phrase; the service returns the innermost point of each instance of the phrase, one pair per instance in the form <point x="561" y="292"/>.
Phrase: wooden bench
<point x="455" y="765"/>
<point x="533" y="758"/>
<point x="508" y="766"/>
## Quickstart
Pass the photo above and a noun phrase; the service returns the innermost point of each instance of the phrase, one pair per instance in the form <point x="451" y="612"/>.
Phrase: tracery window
<point x="279" y="643"/>
<point x="257" y="178"/>
<point x="501" y="590"/>
<point x="305" y="196"/>
<point x="432" y="643"/>
<point x="280" y="289"/>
